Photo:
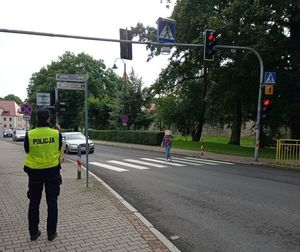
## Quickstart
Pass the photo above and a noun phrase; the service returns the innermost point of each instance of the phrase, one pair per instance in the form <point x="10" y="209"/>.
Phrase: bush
<point x="128" y="136"/>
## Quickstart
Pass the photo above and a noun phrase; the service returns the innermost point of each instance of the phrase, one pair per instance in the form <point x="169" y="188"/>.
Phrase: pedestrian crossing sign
<point x="270" y="78"/>
<point x="166" y="30"/>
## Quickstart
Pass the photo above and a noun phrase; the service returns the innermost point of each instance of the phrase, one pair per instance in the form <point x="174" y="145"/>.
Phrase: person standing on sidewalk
<point x="42" y="146"/>
<point x="167" y="143"/>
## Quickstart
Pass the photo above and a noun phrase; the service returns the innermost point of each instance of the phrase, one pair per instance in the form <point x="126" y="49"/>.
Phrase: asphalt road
<point x="208" y="206"/>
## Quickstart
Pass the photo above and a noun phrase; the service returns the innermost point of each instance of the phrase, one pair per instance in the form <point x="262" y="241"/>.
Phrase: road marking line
<point x="129" y="165"/>
<point x="195" y="161"/>
<point x="183" y="162"/>
<point x="161" y="161"/>
<point x="207" y="160"/>
<point x="110" y="167"/>
<point x="144" y="163"/>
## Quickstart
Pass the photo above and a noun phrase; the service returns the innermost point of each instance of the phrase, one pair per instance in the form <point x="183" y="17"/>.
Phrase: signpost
<point x="166" y="30"/>
<point x="26" y="110"/>
<point x="70" y="85"/>
<point x="77" y="82"/>
<point x="43" y="99"/>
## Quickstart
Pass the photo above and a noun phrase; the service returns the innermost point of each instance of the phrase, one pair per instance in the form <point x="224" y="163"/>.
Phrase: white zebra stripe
<point x="144" y="163"/>
<point x="194" y="161"/>
<point x="208" y="160"/>
<point x="109" y="167"/>
<point x="182" y="162"/>
<point x="161" y="161"/>
<point x="128" y="165"/>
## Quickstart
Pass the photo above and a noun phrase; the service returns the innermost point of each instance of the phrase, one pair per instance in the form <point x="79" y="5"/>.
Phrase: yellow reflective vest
<point x="43" y="148"/>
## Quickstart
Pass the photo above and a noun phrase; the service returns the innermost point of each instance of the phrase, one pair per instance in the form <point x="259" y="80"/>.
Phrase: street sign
<point x="26" y="109"/>
<point x="166" y="30"/>
<point x="71" y="85"/>
<point x="43" y="99"/>
<point x="270" y="78"/>
<point x="26" y="118"/>
<point x="269" y="89"/>
<point x="71" y="77"/>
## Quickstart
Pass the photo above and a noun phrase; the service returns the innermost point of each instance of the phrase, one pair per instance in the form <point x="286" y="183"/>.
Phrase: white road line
<point x="182" y="162"/>
<point x="161" y="161"/>
<point x="144" y="163"/>
<point x="208" y="160"/>
<point x="128" y="165"/>
<point x="195" y="161"/>
<point x="110" y="167"/>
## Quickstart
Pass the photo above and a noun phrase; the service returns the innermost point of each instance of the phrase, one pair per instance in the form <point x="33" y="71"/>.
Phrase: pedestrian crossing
<point x="145" y="163"/>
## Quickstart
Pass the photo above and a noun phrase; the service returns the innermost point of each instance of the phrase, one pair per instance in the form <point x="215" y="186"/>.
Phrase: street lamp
<point x="125" y="87"/>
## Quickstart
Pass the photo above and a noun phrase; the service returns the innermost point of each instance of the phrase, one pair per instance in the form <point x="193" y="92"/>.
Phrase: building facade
<point x="10" y="116"/>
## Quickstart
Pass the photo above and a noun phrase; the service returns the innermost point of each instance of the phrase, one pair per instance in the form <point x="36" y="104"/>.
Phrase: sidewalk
<point x="90" y="219"/>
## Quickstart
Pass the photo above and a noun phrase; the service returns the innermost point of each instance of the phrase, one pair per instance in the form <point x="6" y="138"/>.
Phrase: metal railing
<point x="288" y="152"/>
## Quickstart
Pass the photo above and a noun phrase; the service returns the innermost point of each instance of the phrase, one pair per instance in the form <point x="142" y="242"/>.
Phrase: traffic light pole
<point x="258" y="120"/>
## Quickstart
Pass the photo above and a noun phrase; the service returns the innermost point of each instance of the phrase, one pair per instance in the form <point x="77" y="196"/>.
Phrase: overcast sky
<point x="23" y="55"/>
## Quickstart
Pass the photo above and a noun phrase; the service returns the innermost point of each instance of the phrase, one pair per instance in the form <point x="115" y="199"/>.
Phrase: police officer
<point x="42" y="165"/>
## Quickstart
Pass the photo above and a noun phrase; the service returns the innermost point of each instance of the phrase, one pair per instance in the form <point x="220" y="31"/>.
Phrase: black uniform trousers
<point x="51" y="179"/>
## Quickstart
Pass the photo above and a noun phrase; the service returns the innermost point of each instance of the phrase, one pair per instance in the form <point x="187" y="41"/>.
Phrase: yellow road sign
<point x="268" y="89"/>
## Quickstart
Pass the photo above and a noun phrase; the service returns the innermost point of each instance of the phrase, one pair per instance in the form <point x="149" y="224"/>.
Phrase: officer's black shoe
<point x="52" y="237"/>
<point x="34" y="237"/>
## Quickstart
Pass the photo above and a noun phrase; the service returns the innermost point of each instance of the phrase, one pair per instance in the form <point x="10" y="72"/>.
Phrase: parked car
<point x="7" y="132"/>
<point x="19" y="134"/>
<point x="71" y="140"/>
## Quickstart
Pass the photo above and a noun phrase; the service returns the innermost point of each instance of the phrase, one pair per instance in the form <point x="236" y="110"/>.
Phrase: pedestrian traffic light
<point x="266" y="106"/>
<point x="126" y="48"/>
<point x="209" y="44"/>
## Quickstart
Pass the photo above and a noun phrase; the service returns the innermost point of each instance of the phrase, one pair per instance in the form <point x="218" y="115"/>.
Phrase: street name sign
<point x="71" y="77"/>
<point x="43" y="99"/>
<point x="71" y="85"/>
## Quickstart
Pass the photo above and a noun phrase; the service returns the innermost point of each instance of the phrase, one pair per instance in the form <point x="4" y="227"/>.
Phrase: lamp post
<point x="124" y="118"/>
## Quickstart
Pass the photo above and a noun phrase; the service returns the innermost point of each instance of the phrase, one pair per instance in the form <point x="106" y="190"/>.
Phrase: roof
<point x="9" y="108"/>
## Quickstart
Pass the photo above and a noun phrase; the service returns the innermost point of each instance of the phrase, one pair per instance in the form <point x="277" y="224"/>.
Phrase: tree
<point x="255" y="24"/>
<point x="132" y="101"/>
<point x="14" y="98"/>
<point x="102" y="88"/>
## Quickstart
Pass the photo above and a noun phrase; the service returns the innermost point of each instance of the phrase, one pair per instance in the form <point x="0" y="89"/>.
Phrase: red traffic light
<point x="211" y="37"/>
<point x="266" y="102"/>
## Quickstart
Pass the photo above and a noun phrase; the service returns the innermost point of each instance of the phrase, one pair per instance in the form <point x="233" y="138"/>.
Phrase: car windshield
<point x="75" y="136"/>
<point x="7" y="130"/>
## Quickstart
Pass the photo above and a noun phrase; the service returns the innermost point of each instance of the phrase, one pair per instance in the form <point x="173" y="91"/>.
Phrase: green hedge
<point x="128" y="136"/>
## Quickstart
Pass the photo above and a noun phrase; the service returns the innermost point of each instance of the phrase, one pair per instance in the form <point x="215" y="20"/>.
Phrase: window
<point x="10" y="119"/>
<point x="4" y="119"/>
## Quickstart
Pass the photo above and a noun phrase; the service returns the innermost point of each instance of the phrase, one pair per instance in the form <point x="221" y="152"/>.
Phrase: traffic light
<point x="209" y="43"/>
<point x="266" y="106"/>
<point x="126" y="48"/>
<point x="60" y="106"/>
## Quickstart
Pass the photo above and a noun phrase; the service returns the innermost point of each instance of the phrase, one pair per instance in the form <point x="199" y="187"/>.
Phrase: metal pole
<point x="125" y="86"/>
<point x="56" y="100"/>
<point x="86" y="133"/>
<point x="258" y="118"/>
